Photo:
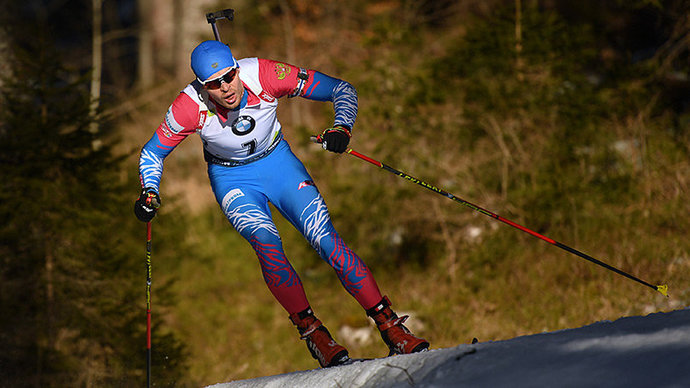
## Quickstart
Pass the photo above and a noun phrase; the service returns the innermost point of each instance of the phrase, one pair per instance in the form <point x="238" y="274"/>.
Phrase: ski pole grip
<point x="318" y="140"/>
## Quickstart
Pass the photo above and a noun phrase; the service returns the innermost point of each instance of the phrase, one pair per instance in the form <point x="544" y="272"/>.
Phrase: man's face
<point x="226" y="91"/>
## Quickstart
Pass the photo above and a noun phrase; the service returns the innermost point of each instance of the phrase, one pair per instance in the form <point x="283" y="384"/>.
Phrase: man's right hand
<point x="147" y="205"/>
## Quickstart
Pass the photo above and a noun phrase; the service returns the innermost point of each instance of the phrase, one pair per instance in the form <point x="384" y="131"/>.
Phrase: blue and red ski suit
<point x="250" y="165"/>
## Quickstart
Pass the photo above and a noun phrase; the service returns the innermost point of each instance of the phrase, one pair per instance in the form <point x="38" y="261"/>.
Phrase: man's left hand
<point x="335" y="139"/>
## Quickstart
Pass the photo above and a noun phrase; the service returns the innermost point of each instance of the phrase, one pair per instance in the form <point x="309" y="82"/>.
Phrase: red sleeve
<point x="181" y="120"/>
<point x="281" y="79"/>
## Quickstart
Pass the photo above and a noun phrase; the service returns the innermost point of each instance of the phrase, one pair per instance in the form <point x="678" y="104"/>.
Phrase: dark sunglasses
<point x="216" y="82"/>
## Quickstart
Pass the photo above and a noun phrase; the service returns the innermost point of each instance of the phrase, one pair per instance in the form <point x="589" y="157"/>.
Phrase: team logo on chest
<point x="243" y="125"/>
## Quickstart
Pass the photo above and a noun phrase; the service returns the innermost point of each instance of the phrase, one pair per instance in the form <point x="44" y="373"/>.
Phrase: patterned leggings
<point x="244" y="192"/>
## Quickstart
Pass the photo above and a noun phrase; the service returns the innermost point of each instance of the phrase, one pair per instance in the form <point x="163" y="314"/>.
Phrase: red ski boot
<point x="319" y="341"/>
<point x="394" y="333"/>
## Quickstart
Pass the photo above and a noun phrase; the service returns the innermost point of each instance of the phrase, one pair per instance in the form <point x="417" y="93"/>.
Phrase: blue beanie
<point x="209" y="57"/>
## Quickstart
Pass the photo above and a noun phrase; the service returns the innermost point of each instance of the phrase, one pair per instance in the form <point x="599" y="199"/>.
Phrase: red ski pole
<point x="662" y="288"/>
<point x="148" y="304"/>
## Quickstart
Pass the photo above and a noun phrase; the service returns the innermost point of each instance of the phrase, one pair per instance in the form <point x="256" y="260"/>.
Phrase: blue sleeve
<point x="341" y="93"/>
<point x="151" y="162"/>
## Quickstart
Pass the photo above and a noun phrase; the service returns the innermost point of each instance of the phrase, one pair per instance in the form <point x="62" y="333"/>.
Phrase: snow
<point x="649" y="351"/>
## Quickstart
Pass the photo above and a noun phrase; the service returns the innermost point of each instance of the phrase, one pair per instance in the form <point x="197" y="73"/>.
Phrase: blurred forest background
<point x="571" y="118"/>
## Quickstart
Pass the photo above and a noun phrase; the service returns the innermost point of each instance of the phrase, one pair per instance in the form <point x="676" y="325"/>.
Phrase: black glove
<point x="335" y="139"/>
<point x="147" y="205"/>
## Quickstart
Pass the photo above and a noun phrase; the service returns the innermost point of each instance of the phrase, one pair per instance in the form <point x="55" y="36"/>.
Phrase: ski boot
<point x="394" y="333"/>
<point x="319" y="341"/>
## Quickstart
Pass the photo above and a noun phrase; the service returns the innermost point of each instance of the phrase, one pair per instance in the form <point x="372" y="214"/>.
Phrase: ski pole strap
<point x="338" y="128"/>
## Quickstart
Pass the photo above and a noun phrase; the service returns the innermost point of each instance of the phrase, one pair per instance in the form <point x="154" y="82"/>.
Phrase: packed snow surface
<point x="649" y="351"/>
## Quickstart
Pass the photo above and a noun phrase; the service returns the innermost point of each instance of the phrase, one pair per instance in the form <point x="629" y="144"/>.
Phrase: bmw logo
<point x="243" y="125"/>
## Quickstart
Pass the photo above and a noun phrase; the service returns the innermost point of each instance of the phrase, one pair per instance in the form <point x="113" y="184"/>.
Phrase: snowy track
<point x="650" y="351"/>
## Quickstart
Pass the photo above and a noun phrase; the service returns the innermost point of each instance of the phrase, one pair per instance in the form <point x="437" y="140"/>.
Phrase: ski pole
<point x="148" y="304"/>
<point x="662" y="288"/>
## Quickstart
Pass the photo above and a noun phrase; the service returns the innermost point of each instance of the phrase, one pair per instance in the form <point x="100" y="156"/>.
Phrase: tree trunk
<point x="179" y="59"/>
<point x="145" y="69"/>
<point x="96" y="61"/>
<point x="518" y="39"/>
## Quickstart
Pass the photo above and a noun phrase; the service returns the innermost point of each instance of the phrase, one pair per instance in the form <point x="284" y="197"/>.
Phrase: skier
<point x="232" y="105"/>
